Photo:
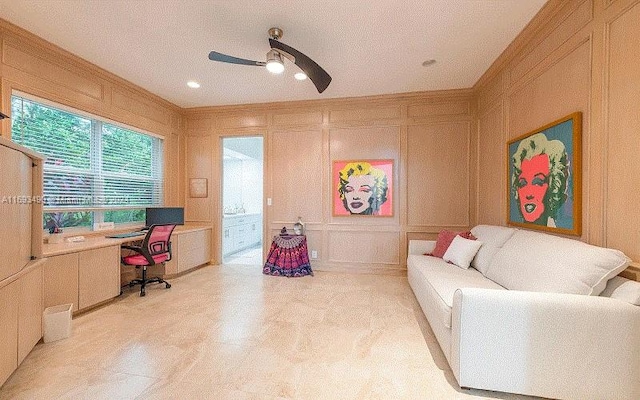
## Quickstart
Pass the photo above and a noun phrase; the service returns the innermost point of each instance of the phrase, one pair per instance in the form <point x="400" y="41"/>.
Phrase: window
<point x="95" y="171"/>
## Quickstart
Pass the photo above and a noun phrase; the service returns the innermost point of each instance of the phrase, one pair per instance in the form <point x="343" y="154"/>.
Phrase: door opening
<point x="242" y="175"/>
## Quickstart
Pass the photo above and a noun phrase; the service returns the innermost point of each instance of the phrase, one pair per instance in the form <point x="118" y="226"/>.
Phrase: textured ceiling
<point x="369" y="47"/>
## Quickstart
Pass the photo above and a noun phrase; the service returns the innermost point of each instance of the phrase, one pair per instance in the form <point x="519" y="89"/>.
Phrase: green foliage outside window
<point x="94" y="170"/>
<point x="123" y="216"/>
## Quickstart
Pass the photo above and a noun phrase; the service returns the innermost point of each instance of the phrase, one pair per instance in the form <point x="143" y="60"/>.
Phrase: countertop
<point x="94" y="241"/>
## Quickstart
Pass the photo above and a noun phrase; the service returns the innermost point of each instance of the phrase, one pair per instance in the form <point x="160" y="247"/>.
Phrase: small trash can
<point x="57" y="322"/>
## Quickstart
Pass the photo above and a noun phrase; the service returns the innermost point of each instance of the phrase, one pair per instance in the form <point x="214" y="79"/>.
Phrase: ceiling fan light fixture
<point x="275" y="65"/>
<point x="300" y="76"/>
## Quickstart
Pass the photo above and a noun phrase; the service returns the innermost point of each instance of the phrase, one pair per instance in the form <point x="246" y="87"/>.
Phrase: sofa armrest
<point x="546" y="344"/>
<point x="420" y="247"/>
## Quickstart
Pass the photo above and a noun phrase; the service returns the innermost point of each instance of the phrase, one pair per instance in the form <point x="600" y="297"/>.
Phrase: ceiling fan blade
<point x="318" y="76"/>
<point x="215" y="56"/>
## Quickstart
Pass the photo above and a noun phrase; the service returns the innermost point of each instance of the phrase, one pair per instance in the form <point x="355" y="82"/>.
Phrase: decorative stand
<point x="288" y="256"/>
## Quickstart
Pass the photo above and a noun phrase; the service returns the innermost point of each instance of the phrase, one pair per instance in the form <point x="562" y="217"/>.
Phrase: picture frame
<point x="362" y="187"/>
<point x="544" y="177"/>
<point x="198" y="188"/>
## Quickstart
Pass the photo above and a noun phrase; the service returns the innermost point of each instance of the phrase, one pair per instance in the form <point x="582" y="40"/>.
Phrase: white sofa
<point x="527" y="316"/>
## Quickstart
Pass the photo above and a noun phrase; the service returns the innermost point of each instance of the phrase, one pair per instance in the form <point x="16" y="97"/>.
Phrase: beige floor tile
<point x="230" y="332"/>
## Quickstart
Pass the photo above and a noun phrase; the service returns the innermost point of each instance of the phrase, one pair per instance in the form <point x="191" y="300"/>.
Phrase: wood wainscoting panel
<point x="199" y="161"/>
<point x="299" y="118"/>
<point x="366" y="114"/>
<point x="576" y="16"/>
<point x="451" y="108"/>
<point x="241" y="121"/>
<point x="296" y="175"/>
<point x="491" y="171"/>
<point x="561" y="89"/>
<point x="623" y="141"/>
<point x="131" y="102"/>
<point x="365" y="143"/>
<point x="25" y="61"/>
<point x="364" y="247"/>
<point x="199" y="125"/>
<point x="490" y="93"/>
<point x="438" y="174"/>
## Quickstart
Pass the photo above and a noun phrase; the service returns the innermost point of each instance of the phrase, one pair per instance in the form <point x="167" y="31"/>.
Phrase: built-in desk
<point x="88" y="273"/>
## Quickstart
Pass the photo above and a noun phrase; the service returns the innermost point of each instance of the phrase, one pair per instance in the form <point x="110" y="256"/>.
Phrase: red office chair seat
<point x="155" y="249"/>
<point x="139" y="259"/>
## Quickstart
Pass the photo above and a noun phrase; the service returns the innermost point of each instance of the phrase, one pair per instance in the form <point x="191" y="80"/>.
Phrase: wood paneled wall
<point x="32" y="65"/>
<point x="448" y="147"/>
<point x="576" y="55"/>
<point x="430" y="137"/>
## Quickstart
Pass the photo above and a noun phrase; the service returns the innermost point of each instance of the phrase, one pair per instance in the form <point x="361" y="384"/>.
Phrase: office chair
<point x="155" y="249"/>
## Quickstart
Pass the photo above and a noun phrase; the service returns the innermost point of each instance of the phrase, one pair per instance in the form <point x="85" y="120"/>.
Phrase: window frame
<point x="97" y="123"/>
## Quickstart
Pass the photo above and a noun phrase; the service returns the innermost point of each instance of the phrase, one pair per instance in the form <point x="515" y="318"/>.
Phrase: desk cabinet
<point x="29" y="312"/>
<point x="8" y="329"/>
<point x="193" y="249"/>
<point x="20" y="254"/>
<point x="98" y="275"/>
<point x="20" y="319"/>
<point x="189" y="250"/>
<point x="61" y="280"/>
<point x="84" y="278"/>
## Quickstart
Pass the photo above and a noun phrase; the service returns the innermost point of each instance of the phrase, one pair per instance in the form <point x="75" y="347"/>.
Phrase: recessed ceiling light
<point x="428" y="62"/>
<point x="193" y="84"/>
<point x="300" y="76"/>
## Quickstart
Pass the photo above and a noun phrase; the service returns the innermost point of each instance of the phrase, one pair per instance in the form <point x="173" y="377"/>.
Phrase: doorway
<point x="242" y="186"/>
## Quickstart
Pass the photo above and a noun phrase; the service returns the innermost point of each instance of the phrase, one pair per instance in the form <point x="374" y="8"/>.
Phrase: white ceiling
<point x="369" y="47"/>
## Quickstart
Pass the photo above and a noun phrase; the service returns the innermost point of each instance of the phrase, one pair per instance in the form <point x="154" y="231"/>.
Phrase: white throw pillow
<point x="461" y="251"/>
<point x="538" y="262"/>
<point x="623" y="289"/>
<point x="493" y="238"/>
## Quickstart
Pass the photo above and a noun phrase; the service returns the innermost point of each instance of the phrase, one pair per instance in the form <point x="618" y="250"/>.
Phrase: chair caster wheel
<point x="131" y="284"/>
<point x="142" y="293"/>
<point x="168" y="285"/>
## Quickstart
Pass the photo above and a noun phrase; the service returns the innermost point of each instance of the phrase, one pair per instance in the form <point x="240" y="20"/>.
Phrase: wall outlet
<point x="268" y="201"/>
<point x="314" y="254"/>
<point x="103" y="226"/>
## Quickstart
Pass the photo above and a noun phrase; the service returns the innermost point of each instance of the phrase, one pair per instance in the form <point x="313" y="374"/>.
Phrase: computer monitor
<point x="165" y="215"/>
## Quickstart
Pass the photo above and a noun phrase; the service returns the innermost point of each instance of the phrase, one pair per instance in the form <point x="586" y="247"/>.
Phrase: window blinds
<point x="91" y="164"/>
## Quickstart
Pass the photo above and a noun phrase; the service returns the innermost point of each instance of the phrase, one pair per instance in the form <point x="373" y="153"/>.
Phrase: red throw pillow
<point x="444" y="240"/>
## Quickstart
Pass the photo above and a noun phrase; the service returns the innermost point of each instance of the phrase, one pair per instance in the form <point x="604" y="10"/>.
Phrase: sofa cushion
<point x="461" y="251"/>
<point x="539" y="262"/>
<point x="443" y="279"/>
<point x="445" y="238"/>
<point x="492" y="238"/>
<point x="623" y="289"/>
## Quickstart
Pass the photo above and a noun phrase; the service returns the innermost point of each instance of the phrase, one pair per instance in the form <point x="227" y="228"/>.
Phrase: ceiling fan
<point x="275" y="63"/>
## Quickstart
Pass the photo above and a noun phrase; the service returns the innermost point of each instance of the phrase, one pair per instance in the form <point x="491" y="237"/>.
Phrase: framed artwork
<point x="544" y="186"/>
<point x="198" y="188"/>
<point x="362" y="187"/>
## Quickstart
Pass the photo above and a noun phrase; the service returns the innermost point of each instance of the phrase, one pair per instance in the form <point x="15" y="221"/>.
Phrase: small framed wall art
<point x="198" y="188"/>
<point x="362" y="187"/>
<point x="544" y="186"/>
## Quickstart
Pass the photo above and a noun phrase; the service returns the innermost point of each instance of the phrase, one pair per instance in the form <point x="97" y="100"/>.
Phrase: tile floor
<point x="251" y="256"/>
<point x="229" y="332"/>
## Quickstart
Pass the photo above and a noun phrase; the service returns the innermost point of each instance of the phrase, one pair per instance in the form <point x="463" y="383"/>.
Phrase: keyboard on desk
<point x="126" y="235"/>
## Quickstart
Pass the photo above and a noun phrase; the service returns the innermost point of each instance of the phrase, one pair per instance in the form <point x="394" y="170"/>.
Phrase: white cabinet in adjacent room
<point x="241" y="232"/>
